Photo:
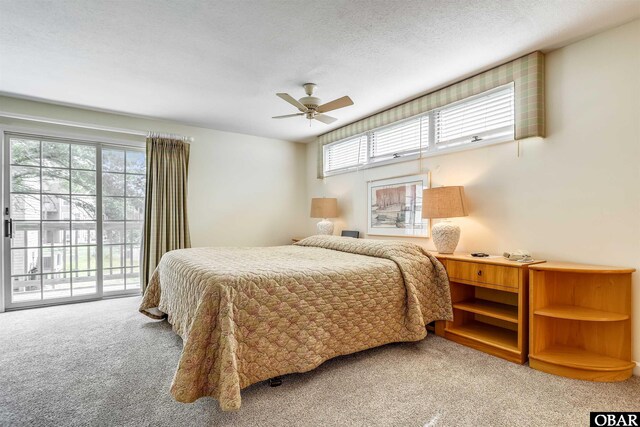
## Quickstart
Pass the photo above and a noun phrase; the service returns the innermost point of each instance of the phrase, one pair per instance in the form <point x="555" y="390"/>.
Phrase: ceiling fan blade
<point x="325" y="119"/>
<point x="291" y="100"/>
<point x="345" y="101"/>
<point x="288" y="115"/>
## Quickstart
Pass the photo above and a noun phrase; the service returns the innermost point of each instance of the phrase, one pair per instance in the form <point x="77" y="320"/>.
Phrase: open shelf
<point x="574" y="312"/>
<point x="573" y="357"/>
<point x="508" y="313"/>
<point x="580" y="318"/>
<point x="485" y="333"/>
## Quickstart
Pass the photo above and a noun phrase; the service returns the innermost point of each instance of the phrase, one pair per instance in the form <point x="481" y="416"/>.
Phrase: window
<point x="481" y="119"/>
<point x="400" y="139"/>
<point x="489" y="116"/>
<point x="345" y="154"/>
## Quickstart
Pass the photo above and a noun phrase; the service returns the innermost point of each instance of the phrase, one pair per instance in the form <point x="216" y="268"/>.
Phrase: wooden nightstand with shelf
<point x="490" y="301"/>
<point x="580" y="319"/>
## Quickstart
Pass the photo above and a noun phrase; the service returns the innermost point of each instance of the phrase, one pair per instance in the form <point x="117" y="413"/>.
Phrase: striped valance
<point x="526" y="72"/>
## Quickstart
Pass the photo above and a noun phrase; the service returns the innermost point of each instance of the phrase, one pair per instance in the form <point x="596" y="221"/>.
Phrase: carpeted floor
<point x="104" y="364"/>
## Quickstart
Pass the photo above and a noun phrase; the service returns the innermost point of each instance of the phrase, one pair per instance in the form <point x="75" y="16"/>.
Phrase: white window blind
<point x="345" y="154"/>
<point x="483" y="117"/>
<point x="400" y="139"/>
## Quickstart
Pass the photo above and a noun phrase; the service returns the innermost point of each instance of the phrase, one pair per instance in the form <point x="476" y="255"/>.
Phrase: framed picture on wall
<point x="395" y="206"/>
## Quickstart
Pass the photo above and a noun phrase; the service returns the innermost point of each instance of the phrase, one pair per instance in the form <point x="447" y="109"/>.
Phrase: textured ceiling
<point x="218" y="64"/>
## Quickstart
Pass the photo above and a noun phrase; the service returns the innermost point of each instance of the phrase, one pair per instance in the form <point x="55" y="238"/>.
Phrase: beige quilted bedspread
<point x="250" y="314"/>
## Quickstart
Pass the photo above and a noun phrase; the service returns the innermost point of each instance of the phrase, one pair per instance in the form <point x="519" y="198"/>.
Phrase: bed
<point x="250" y="314"/>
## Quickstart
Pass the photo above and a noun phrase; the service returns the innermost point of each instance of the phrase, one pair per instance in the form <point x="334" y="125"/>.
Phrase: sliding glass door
<point x="73" y="216"/>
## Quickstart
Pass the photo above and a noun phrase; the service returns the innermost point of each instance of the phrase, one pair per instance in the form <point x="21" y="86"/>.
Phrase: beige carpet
<point x="104" y="364"/>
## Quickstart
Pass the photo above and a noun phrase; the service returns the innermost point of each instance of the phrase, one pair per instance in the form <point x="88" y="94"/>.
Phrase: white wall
<point x="573" y="196"/>
<point x="243" y="190"/>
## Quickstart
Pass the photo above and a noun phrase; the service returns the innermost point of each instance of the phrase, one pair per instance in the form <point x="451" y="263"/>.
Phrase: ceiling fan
<point x="310" y="106"/>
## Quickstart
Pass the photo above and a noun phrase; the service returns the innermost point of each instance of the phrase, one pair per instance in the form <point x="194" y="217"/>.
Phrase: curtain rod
<point x="39" y="119"/>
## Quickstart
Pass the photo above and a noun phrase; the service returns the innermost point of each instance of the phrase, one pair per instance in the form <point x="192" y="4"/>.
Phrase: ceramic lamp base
<point x="325" y="227"/>
<point x="446" y="236"/>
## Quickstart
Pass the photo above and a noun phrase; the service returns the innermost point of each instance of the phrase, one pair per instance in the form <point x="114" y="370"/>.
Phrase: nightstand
<point x="490" y="304"/>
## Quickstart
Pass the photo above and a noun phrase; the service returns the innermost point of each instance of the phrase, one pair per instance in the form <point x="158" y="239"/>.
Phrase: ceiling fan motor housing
<point x="310" y="102"/>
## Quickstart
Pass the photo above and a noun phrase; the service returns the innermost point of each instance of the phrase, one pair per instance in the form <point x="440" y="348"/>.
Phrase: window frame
<point x="77" y="138"/>
<point x="428" y="149"/>
<point x="325" y="153"/>
<point x="371" y="135"/>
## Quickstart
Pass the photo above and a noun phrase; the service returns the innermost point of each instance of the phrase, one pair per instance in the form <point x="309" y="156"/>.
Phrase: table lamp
<point x="324" y="208"/>
<point x="444" y="202"/>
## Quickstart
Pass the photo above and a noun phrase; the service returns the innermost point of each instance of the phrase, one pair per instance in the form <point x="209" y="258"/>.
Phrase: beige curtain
<point x="166" y="226"/>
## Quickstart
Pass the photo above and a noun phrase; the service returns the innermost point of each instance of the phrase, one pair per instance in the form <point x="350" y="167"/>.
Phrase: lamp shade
<point x="324" y="207"/>
<point x="443" y="202"/>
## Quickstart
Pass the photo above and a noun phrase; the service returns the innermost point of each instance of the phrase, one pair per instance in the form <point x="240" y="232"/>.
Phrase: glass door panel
<point x="74" y="214"/>
<point x="123" y="189"/>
